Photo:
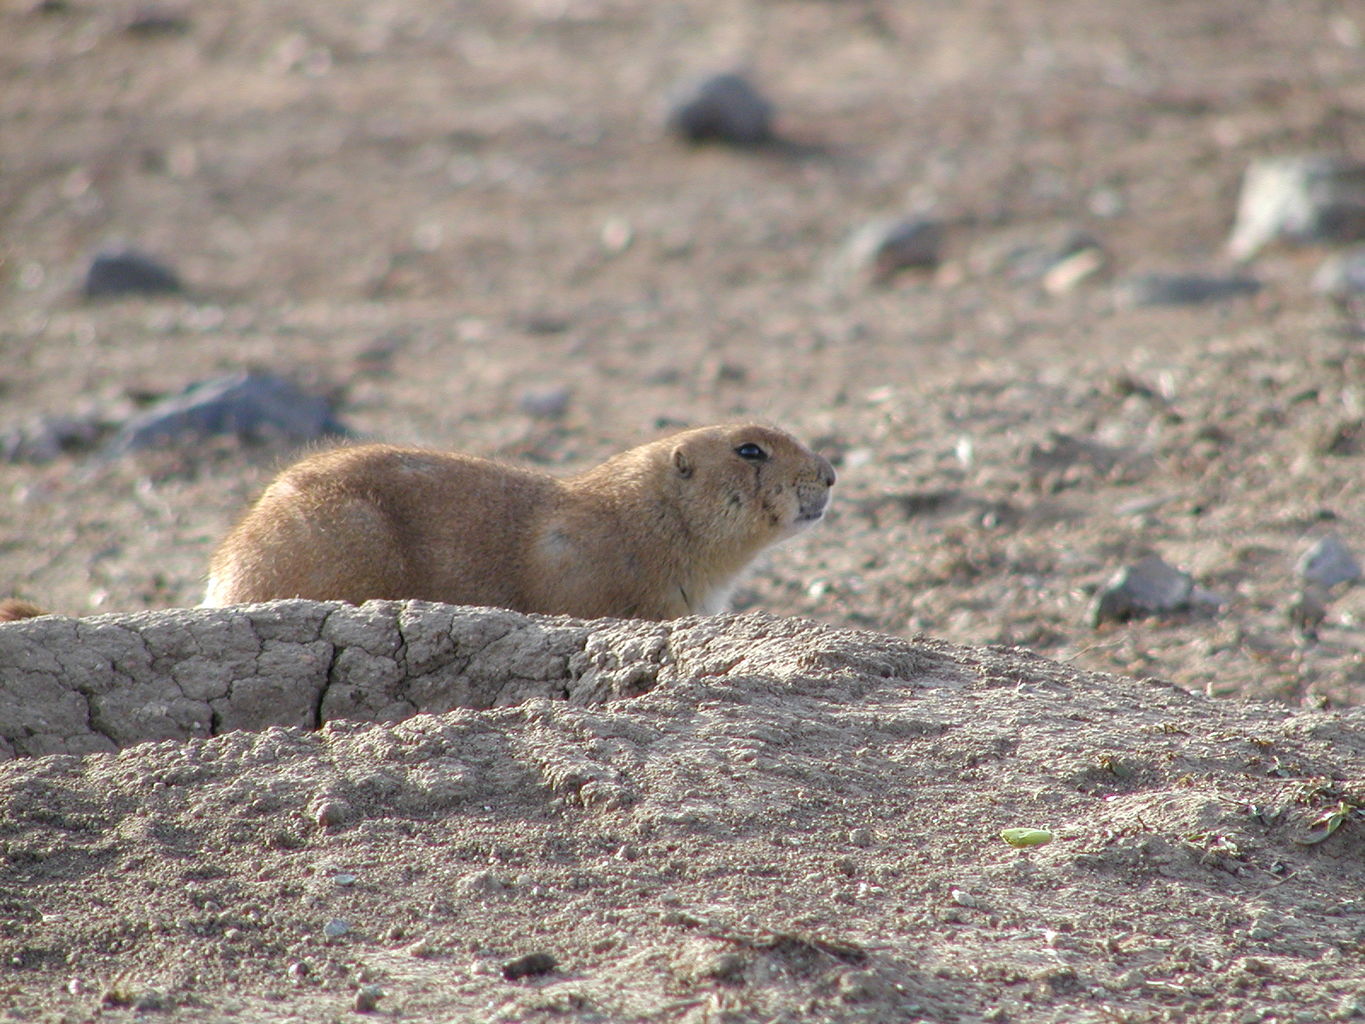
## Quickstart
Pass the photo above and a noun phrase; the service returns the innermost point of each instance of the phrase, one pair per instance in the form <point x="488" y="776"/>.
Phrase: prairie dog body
<point x="656" y="532"/>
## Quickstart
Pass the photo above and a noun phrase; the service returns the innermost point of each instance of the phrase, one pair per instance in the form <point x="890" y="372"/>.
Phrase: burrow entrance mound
<point x="271" y="810"/>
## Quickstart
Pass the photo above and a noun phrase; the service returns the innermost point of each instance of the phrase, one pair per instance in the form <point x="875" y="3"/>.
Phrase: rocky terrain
<point x="995" y="259"/>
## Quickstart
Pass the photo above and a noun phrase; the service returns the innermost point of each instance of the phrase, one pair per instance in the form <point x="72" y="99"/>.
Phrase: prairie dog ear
<point x="681" y="463"/>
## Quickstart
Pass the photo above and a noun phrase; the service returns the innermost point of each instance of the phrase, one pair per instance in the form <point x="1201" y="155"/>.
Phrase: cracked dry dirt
<point x="427" y="210"/>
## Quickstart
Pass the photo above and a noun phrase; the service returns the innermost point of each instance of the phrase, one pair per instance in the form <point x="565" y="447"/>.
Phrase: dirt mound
<point x="782" y="820"/>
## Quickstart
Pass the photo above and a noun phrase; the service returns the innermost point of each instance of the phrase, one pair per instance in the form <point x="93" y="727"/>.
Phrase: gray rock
<point x="335" y="928"/>
<point x="116" y="272"/>
<point x="1311" y="198"/>
<point x="1341" y="278"/>
<point x="1308" y="610"/>
<point x="721" y="108"/>
<point x="1149" y="587"/>
<point x="545" y="403"/>
<point x="252" y="406"/>
<point x="1183" y="289"/>
<point x="529" y="966"/>
<point x="367" y="998"/>
<point x="1328" y="562"/>
<point x="883" y="248"/>
<point x="45" y="438"/>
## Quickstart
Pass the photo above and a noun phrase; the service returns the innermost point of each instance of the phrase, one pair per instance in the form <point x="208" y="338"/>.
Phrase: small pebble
<point x="331" y="812"/>
<point x="725" y="967"/>
<point x="1071" y="271"/>
<point x="721" y="108"/>
<point x="119" y="272"/>
<point x="963" y="898"/>
<point x="1341" y="277"/>
<point x="545" y="403"/>
<point x="529" y="966"/>
<point x="1308" y="611"/>
<point x="860" y="837"/>
<point x="482" y="883"/>
<point x="1328" y="562"/>
<point x="367" y="998"/>
<point x="157" y="21"/>
<point x="335" y="928"/>
<point x="344" y="879"/>
<point x="421" y="949"/>
<point x="885" y="248"/>
<point x="1183" y="289"/>
<point x="298" y="971"/>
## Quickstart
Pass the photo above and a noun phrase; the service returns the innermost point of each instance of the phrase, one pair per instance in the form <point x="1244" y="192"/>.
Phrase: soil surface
<point x="442" y="213"/>
<point x="728" y="819"/>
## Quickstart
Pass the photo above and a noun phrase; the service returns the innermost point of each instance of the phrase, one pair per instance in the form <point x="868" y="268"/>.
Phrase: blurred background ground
<point x="439" y="213"/>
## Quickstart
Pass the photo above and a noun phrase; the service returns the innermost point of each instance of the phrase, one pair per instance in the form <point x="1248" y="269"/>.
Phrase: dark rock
<point x="721" y="108"/>
<point x="1299" y="199"/>
<point x="529" y="966"/>
<point x="884" y="248"/>
<point x="249" y="405"/>
<point x="1149" y="587"/>
<point x="45" y="438"/>
<point x="128" y="272"/>
<point x="1183" y="289"/>
<point x="147" y="22"/>
<point x="1327" y="563"/>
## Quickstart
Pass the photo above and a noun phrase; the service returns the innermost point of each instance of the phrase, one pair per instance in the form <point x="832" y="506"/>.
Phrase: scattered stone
<point x="545" y="403"/>
<point x="1344" y="437"/>
<point x="721" y="108"/>
<point x="344" y="879"/>
<point x="725" y="967"/>
<point x="860" y="837"/>
<point x="963" y="898"/>
<point x="116" y="272"/>
<point x="529" y="966"/>
<point x="1308" y="610"/>
<point x="1341" y="278"/>
<point x="252" y="406"/>
<point x="1149" y="587"/>
<point x="1069" y="272"/>
<point x="298" y="971"/>
<point x="419" y="950"/>
<point x="335" y="929"/>
<point x="482" y="883"/>
<point x="1029" y="256"/>
<point x="328" y="813"/>
<point x="147" y="22"/>
<point x="367" y="998"/>
<point x="1301" y="199"/>
<point x="1183" y="289"/>
<point x="1328" y="562"/>
<point x="883" y="248"/>
<point x="46" y="438"/>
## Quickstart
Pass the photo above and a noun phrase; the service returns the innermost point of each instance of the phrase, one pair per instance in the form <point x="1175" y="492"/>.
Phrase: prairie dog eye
<point x="750" y="451"/>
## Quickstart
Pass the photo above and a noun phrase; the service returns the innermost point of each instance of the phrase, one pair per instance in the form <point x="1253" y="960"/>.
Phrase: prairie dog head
<point x="750" y="481"/>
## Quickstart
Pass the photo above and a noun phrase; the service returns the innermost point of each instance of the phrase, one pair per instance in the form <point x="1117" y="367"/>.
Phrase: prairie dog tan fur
<point x="656" y="532"/>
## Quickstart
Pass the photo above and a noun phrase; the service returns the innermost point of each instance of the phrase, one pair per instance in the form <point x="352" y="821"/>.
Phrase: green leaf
<point x="1026" y="836"/>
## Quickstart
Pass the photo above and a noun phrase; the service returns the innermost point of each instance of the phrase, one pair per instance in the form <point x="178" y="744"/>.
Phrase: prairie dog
<point x="656" y="532"/>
